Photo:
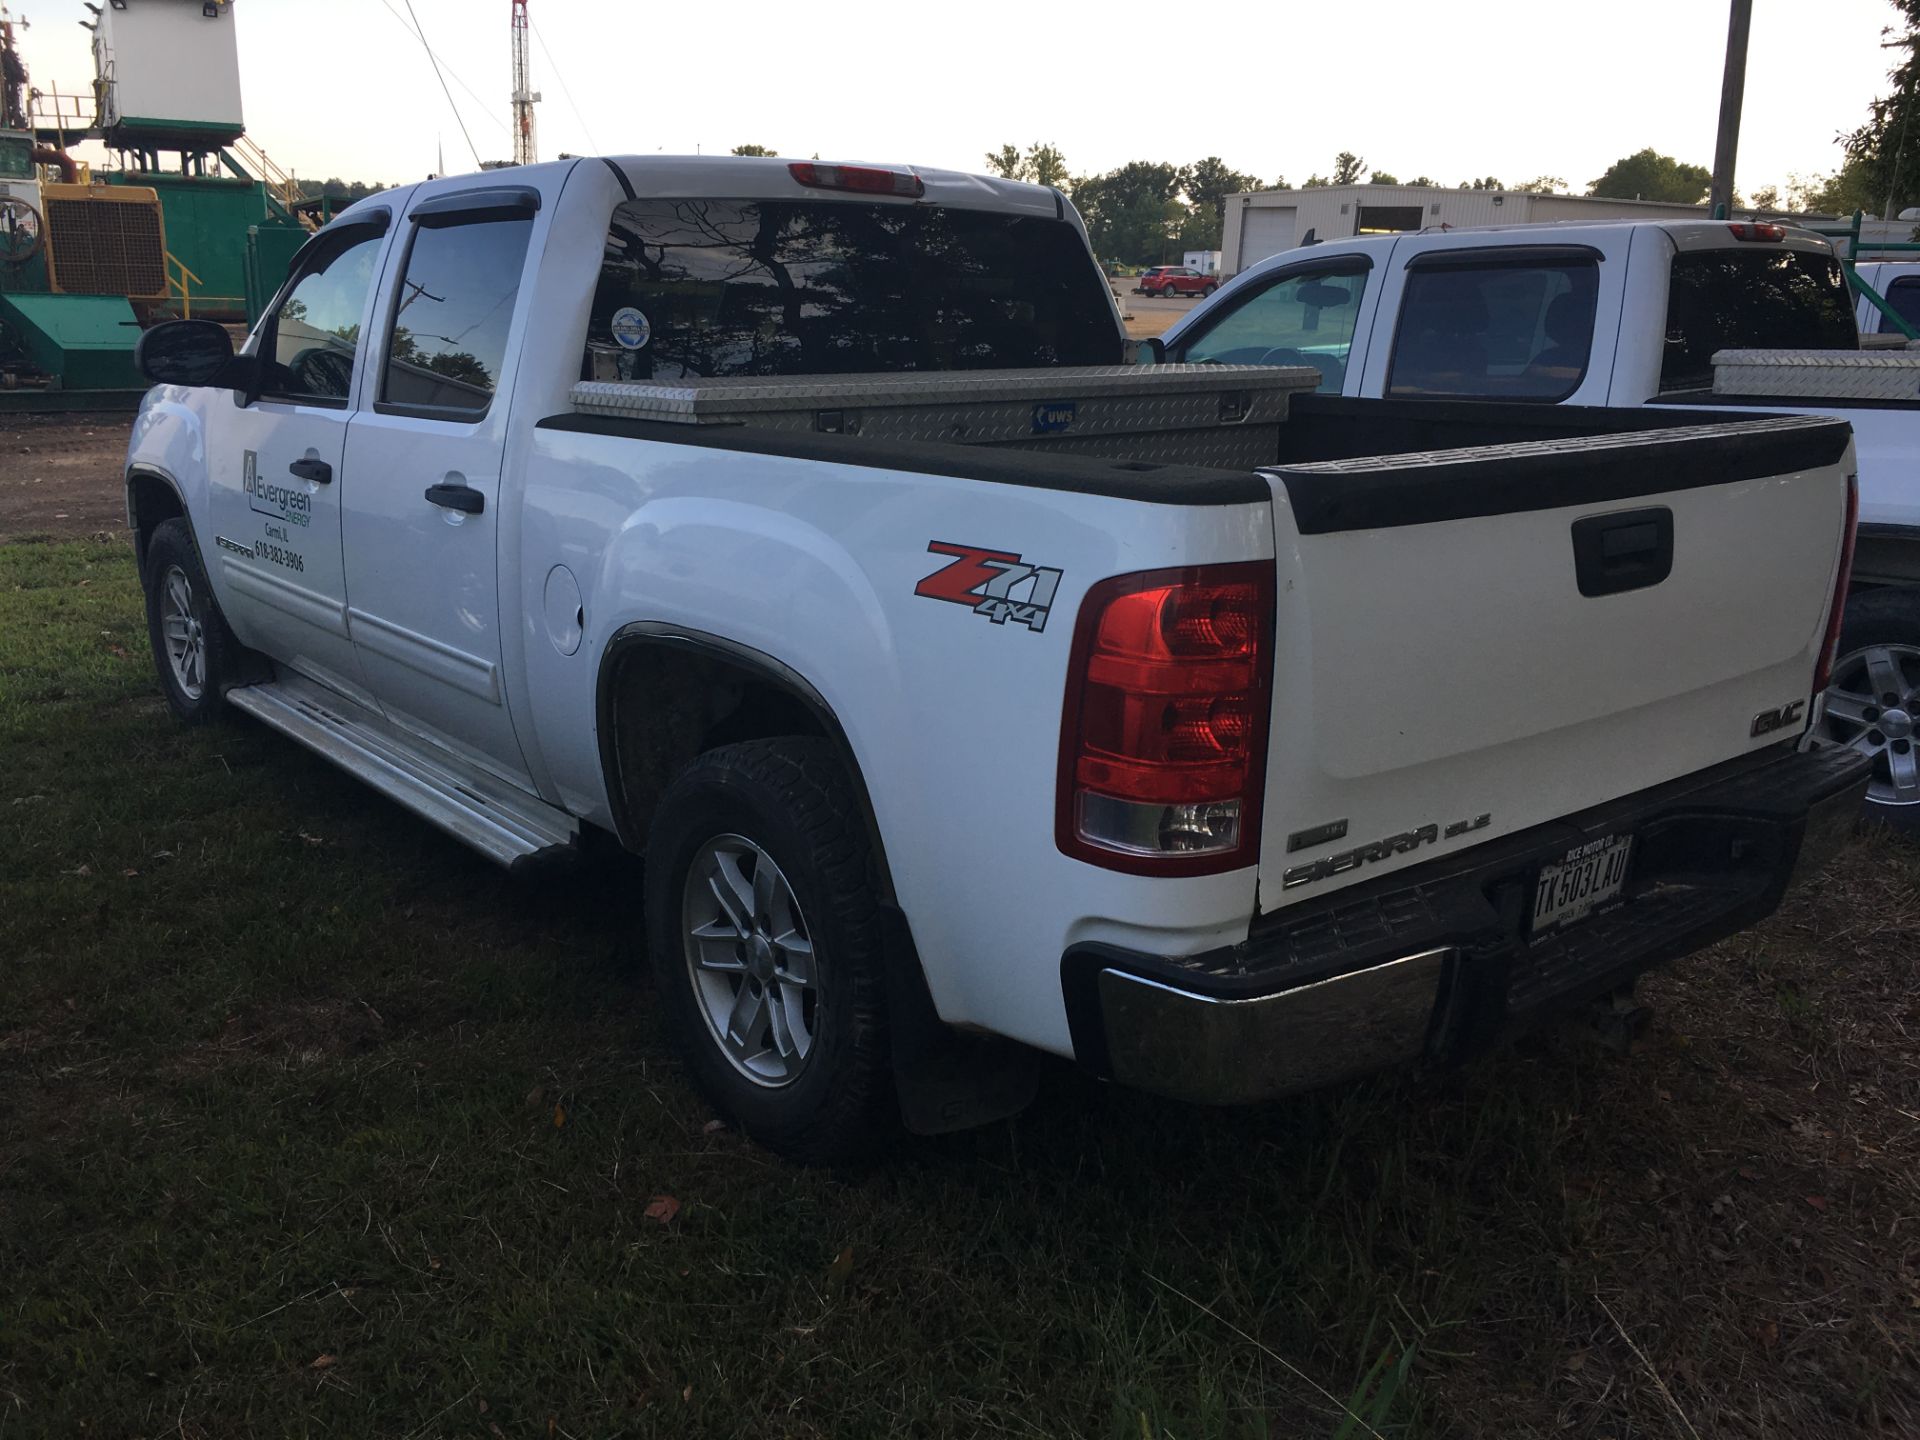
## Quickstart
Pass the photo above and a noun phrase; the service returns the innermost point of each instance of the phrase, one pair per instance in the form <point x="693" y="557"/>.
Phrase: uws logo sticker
<point x="995" y="583"/>
<point x="292" y="504"/>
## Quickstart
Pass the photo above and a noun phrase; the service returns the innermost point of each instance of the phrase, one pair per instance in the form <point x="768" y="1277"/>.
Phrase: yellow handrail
<point x="61" y="113"/>
<point x="186" y="293"/>
<point x="281" y="183"/>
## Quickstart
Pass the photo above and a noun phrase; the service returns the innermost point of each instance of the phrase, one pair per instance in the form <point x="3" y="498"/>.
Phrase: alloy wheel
<point x="180" y="629"/>
<point x="750" y="957"/>
<point x="1873" y="705"/>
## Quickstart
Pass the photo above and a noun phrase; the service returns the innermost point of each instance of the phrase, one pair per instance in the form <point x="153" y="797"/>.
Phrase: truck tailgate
<point x="1473" y="642"/>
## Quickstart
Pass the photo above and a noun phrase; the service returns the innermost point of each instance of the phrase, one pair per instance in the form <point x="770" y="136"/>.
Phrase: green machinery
<point x="196" y="221"/>
<point x="72" y="263"/>
<point x="213" y="224"/>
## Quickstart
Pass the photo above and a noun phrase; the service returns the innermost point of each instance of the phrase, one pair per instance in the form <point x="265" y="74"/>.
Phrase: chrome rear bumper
<point x="1437" y="961"/>
<point x="1228" y="1052"/>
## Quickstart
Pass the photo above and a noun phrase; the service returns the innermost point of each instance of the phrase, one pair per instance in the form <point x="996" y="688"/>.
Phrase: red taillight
<point x="1163" y="736"/>
<point x="1823" y="672"/>
<point x="866" y="179"/>
<point x="1757" y="230"/>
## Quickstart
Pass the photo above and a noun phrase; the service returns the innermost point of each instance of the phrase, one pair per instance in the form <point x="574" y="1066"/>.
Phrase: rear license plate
<point x="1588" y="877"/>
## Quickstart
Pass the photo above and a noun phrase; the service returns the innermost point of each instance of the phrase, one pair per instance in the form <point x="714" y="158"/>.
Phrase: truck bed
<point x="1235" y="417"/>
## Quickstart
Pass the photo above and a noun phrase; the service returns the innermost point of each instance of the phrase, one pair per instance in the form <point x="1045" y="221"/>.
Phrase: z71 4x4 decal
<point x="995" y="583"/>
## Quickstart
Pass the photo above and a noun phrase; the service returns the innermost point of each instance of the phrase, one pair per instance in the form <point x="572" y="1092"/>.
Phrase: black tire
<point x="171" y="554"/>
<point x="791" y="799"/>
<point x="1206" y="290"/>
<point x="1887" y="617"/>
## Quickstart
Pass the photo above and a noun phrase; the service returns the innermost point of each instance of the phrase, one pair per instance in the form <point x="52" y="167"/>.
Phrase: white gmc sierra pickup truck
<point x="1626" y="313"/>
<point x="969" y="694"/>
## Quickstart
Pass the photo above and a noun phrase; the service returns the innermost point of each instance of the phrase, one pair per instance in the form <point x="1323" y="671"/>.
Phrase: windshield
<point x="712" y="288"/>
<point x="1751" y="299"/>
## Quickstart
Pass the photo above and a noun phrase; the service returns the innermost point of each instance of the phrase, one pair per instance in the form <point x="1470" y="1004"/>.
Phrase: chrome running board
<point x="507" y="826"/>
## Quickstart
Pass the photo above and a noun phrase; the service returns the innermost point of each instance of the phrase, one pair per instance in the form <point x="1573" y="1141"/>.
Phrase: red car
<point x="1176" y="280"/>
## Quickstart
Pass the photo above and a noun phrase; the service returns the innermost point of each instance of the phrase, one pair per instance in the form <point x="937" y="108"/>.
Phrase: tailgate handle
<point x="1627" y="550"/>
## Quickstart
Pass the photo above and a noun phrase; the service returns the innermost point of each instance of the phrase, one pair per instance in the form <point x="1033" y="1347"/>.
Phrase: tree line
<point x="1146" y="211"/>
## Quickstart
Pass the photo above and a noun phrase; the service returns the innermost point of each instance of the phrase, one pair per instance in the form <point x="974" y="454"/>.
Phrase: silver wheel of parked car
<point x="1873" y="705"/>
<point x="185" y="641"/>
<point x="750" y="957"/>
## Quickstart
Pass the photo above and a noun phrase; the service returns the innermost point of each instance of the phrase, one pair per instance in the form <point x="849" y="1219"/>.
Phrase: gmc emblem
<point x="1768" y="721"/>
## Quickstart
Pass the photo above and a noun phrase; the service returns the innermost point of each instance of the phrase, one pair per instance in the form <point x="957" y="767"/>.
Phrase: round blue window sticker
<point x="630" y="328"/>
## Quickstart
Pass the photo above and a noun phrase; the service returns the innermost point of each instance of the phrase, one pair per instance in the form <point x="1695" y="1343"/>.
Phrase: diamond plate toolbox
<point x="1223" y="415"/>
<point x="1819" y="374"/>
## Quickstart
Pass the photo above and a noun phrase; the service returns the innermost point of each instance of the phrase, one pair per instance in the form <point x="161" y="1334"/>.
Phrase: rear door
<point x="1471" y="643"/>
<point x="277" y="464"/>
<point x="1506" y="320"/>
<point x="421" y="528"/>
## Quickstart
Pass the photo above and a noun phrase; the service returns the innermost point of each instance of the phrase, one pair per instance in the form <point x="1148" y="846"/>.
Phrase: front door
<point x="277" y="467"/>
<point x="422" y="525"/>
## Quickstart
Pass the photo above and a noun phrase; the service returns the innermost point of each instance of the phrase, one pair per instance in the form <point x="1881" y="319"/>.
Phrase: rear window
<point x="714" y="288"/>
<point x="1751" y="299"/>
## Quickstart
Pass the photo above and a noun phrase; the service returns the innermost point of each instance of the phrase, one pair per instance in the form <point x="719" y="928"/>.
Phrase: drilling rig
<point x="525" y="152"/>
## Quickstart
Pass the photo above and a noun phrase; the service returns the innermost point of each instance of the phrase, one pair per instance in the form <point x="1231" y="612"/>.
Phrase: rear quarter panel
<point x="954" y="719"/>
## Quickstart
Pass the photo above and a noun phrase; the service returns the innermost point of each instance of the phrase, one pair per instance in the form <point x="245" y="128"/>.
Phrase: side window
<point x="1904" y="296"/>
<point x="1301" y="319"/>
<point x="455" y="308"/>
<point x="1502" y="330"/>
<point x="311" y="340"/>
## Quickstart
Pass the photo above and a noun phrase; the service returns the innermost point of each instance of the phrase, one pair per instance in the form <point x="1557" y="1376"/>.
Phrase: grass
<point x="313" y="1124"/>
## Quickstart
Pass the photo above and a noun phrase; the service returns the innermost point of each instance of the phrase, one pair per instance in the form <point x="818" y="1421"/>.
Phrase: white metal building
<point x="1270" y="221"/>
<point x="168" y="64"/>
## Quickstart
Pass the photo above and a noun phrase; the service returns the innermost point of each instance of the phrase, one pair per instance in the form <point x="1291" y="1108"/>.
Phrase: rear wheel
<point x="765" y="940"/>
<point x="1873" y="704"/>
<point x="194" y="651"/>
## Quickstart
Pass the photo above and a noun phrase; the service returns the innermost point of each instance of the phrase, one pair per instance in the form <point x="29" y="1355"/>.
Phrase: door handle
<point x="318" y="471"/>
<point x="457" y="497"/>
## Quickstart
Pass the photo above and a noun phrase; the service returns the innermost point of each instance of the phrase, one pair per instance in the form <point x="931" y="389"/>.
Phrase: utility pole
<point x="1733" y="86"/>
<point x="525" y="152"/>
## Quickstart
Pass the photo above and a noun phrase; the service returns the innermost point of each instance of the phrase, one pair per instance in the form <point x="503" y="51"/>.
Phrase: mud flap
<point x="946" y="1079"/>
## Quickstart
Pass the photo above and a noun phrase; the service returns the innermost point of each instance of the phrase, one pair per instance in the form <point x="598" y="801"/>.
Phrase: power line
<point x="472" y="94"/>
<point x="586" y="129"/>
<point x="435" y="61"/>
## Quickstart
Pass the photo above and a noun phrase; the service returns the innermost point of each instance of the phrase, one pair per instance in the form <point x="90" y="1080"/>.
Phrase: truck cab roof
<point x="1603" y="234"/>
<point x="747" y="177"/>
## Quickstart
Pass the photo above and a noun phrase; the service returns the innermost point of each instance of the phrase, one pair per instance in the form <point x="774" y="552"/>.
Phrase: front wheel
<point x="1206" y="290"/>
<point x="765" y="940"/>
<point x="194" y="651"/>
<point x="1873" y="703"/>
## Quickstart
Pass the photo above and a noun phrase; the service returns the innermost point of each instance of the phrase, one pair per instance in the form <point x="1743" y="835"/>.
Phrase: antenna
<point x="525" y="151"/>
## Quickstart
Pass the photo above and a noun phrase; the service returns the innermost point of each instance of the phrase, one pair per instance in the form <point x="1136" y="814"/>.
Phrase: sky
<point x="1512" y="88"/>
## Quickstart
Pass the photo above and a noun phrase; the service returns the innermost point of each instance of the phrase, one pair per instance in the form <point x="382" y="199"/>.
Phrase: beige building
<point x="1270" y="221"/>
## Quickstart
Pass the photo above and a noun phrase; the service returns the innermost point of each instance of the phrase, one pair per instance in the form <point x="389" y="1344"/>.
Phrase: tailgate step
<point x="508" y="827"/>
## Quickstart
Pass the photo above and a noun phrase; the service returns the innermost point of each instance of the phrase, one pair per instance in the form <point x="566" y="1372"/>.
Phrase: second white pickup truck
<point x="968" y="695"/>
<point x="1619" y="313"/>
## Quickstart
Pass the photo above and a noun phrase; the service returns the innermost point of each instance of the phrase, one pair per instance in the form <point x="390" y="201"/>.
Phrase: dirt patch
<point x="60" y="476"/>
